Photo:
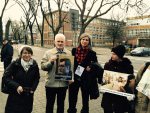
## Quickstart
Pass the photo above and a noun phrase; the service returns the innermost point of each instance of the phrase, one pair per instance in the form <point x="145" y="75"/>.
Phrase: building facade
<point x="97" y="29"/>
<point x="138" y="29"/>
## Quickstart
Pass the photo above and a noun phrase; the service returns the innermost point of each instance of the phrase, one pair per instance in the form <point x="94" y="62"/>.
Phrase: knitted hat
<point x="119" y="50"/>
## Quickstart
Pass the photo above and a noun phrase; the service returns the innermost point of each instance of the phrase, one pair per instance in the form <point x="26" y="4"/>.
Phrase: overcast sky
<point x="15" y="12"/>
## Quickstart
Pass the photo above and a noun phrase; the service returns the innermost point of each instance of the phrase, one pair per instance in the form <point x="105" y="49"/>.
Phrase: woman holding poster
<point x="143" y="102"/>
<point x="110" y="102"/>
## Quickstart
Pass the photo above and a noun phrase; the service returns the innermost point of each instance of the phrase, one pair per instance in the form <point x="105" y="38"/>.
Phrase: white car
<point x="140" y="51"/>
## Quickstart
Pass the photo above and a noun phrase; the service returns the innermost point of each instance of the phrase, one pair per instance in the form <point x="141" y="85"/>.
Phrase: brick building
<point x="138" y="28"/>
<point x="97" y="29"/>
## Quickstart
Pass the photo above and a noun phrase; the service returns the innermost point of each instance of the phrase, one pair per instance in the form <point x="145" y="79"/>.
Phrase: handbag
<point x="4" y="88"/>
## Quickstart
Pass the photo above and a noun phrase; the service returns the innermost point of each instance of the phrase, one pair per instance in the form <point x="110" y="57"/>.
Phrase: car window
<point x="146" y="49"/>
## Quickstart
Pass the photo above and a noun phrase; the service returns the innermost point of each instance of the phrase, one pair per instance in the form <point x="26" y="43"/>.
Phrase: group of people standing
<point x="84" y="57"/>
<point x="22" y="77"/>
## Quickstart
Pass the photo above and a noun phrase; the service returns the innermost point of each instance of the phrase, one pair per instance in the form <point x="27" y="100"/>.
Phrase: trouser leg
<point x="85" y="100"/>
<point x="73" y="96"/>
<point x="50" y="99"/>
<point x="61" y="95"/>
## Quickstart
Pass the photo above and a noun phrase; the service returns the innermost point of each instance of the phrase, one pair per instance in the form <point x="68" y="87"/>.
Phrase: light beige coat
<point x="143" y="102"/>
<point x="51" y="69"/>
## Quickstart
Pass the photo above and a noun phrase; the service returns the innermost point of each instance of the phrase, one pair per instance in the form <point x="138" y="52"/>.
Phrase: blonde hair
<point x="86" y="35"/>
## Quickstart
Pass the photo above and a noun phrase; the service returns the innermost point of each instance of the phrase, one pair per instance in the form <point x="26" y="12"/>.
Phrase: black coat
<point x="89" y="79"/>
<point x="129" y="106"/>
<point x="16" y="76"/>
<point x="108" y="99"/>
<point x="6" y="52"/>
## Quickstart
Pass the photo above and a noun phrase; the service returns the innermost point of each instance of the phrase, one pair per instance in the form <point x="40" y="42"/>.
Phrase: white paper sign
<point x="144" y="84"/>
<point x="112" y="83"/>
<point x="79" y="70"/>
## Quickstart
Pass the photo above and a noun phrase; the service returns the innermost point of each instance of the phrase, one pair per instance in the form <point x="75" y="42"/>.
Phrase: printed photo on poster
<point x="64" y="67"/>
<point x="144" y="84"/>
<point x="113" y="82"/>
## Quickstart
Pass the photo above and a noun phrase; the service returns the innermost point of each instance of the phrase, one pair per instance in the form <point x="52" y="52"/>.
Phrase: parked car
<point x="140" y="51"/>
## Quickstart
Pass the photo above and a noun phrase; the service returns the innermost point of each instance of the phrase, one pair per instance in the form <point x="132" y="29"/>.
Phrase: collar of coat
<point x="55" y="51"/>
<point x="17" y="62"/>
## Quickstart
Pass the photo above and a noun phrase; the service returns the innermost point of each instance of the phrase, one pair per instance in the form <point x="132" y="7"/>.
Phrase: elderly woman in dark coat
<point x="22" y="77"/>
<point x="110" y="102"/>
<point x="86" y="59"/>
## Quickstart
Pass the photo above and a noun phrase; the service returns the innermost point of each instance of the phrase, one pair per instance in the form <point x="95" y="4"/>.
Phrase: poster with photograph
<point x="144" y="84"/>
<point x="113" y="82"/>
<point x="64" y="67"/>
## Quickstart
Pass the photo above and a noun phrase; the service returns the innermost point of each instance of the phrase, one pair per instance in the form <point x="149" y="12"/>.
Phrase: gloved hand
<point x="130" y="98"/>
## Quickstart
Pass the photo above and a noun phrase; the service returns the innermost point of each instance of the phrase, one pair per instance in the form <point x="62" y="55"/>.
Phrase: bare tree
<point x="1" y="20"/>
<point x="61" y="16"/>
<point x="28" y="10"/>
<point x="40" y="27"/>
<point x="116" y="31"/>
<point x="17" y="30"/>
<point x="98" y="8"/>
<point x="7" y="29"/>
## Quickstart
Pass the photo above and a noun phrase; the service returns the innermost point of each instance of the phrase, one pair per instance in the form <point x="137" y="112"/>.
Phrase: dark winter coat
<point x="108" y="99"/>
<point x="6" y="52"/>
<point x="129" y="106"/>
<point x="15" y="76"/>
<point x="89" y="79"/>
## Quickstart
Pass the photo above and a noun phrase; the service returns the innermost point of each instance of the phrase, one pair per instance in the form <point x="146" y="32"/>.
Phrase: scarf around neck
<point x="81" y="53"/>
<point x="26" y="65"/>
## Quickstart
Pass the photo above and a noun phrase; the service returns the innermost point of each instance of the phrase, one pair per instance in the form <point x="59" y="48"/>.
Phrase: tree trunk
<point x="7" y="30"/>
<point x="25" y="39"/>
<point x="31" y="34"/>
<point x="32" y="40"/>
<point x="42" y="42"/>
<point x="82" y="30"/>
<point x="113" y="42"/>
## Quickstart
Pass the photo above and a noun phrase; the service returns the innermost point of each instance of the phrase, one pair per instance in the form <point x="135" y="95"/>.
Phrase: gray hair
<point x="60" y="35"/>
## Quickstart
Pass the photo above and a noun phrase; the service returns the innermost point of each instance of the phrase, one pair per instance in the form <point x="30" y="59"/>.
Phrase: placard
<point x="64" y="67"/>
<point x="113" y="82"/>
